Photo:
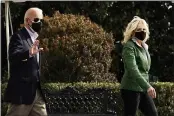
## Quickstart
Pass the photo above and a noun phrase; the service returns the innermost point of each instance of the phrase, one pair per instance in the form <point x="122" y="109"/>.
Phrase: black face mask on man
<point x="140" y="35"/>
<point x="36" y="26"/>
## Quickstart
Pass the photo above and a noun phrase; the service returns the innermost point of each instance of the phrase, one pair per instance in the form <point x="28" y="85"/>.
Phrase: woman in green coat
<point x="136" y="91"/>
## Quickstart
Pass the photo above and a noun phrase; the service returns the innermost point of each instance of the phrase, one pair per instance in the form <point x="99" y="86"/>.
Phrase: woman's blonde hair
<point x="132" y="26"/>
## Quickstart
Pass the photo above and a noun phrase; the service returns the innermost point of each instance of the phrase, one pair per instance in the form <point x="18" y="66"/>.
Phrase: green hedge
<point x="75" y="49"/>
<point x="164" y="100"/>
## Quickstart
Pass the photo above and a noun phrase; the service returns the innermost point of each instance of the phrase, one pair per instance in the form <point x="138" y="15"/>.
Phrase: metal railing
<point x="70" y="101"/>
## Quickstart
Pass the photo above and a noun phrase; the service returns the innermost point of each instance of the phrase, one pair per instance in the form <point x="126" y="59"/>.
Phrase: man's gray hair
<point x="30" y="10"/>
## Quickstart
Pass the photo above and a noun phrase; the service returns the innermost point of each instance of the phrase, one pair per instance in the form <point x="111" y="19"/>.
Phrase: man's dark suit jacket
<point x="24" y="70"/>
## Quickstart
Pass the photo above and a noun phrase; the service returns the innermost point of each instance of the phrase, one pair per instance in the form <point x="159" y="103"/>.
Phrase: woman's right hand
<point x="151" y="92"/>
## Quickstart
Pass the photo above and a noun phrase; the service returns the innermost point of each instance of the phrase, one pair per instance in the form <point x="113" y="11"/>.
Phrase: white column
<point x="7" y="29"/>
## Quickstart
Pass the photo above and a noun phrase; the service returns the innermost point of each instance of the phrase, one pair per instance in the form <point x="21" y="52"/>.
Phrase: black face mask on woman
<point x="140" y="35"/>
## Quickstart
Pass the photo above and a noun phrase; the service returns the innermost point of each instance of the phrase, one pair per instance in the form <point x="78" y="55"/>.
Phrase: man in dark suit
<point x="23" y="92"/>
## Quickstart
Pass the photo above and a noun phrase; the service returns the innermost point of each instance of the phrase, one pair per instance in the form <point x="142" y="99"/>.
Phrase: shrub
<point x="113" y="103"/>
<point x="75" y="49"/>
<point x="4" y="106"/>
<point x="165" y="98"/>
<point x="164" y="101"/>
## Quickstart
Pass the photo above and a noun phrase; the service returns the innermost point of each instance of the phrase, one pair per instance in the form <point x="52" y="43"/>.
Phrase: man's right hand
<point x="151" y="92"/>
<point x="34" y="49"/>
